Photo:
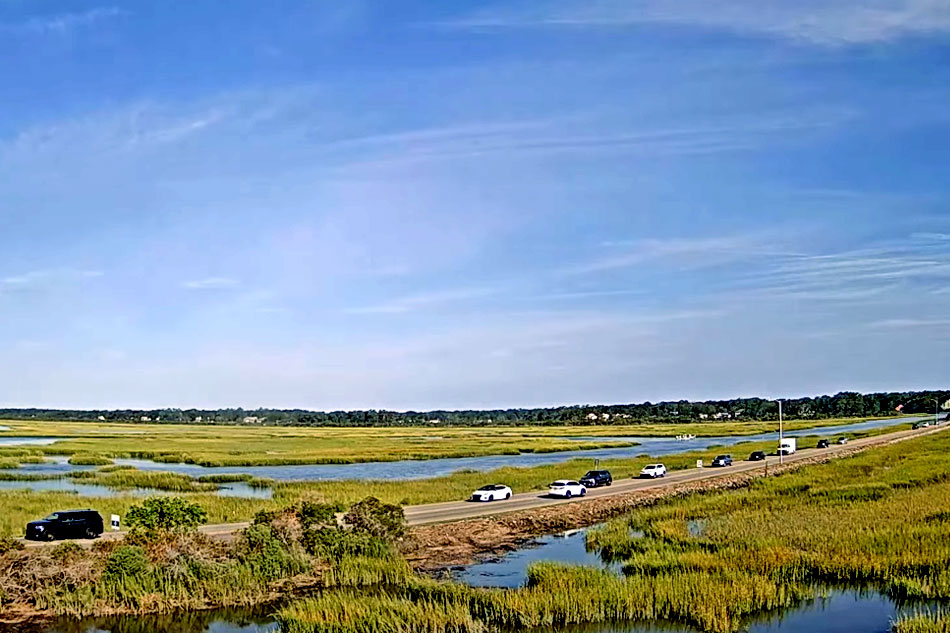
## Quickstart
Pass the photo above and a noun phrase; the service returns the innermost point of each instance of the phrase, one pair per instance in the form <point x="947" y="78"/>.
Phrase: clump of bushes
<point x="158" y="515"/>
<point x="126" y="561"/>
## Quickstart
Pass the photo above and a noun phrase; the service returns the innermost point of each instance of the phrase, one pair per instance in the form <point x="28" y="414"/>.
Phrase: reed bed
<point x="927" y="622"/>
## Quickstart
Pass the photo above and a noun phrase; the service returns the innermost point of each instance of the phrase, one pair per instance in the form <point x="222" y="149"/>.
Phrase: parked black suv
<point x="757" y="456"/>
<point x="595" y="478"/>
<point x="68" y="524"/>
<point x="722" y="460"/>
<point x="822" y="444"/>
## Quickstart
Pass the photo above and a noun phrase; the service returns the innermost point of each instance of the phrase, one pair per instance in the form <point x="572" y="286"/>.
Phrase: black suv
<point x="822" y="444"/>
<point x="68" y="524"/>
<point x="595" y="478"/>
<point x="757" y="456"/>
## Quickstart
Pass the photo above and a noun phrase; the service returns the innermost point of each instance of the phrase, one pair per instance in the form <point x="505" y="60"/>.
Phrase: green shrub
<point x="337" y="544"/>
<point x="266" y="555"/>
<point x="127" y="561"/>
<point x="373" y="517"/>
<point x="168" y="514"/>
<point x="67" y="552"/>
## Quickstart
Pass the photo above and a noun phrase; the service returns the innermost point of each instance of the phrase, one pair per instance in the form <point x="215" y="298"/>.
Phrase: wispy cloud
<point x="63" y="23"/>
<point x="812" y="21"/>
<point x="411" y="303"/>
<point x="211" y="283"/>
<point x="910" y="323"/>
<point x="547" y="137"/>
<point x="684" y="252"/>
<point x="39" y="278"/>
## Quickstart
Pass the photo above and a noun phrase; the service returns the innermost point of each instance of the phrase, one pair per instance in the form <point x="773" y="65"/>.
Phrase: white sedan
<point x="492" y="492"/>
<point x="652" y="471"/>
<point x="567" y="489"/>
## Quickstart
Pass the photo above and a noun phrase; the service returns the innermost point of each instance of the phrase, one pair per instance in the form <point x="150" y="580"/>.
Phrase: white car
<point x="492" y="492"/>
<point x="566" y="488"/>
<point x="652" y="471"/>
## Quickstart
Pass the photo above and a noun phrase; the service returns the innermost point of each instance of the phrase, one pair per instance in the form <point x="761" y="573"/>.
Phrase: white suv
<point x="652" y="471"/>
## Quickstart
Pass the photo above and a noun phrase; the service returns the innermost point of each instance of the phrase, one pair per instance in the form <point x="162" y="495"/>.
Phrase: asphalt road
<point x="460" y="510"/>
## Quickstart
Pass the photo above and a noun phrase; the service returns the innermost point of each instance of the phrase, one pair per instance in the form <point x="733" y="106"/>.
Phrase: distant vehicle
<point x="787" y="446"/>
<point x="722" y="460"/>
<point x="688" y="436"/>
<point x="492" y="492"/>
<point x="822" y="444"/>
<point x="567" y="489"/>
<point x="652" y="471"/>
<point x="595" y="478"/>
<point x="68" y="524"/>
<point x="757" y="456"/>
<point x="921" y="425"/>
<point x="842" y="440"/>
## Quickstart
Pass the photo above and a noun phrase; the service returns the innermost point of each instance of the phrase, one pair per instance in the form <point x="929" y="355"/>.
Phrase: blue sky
<point x="456" y="204"/>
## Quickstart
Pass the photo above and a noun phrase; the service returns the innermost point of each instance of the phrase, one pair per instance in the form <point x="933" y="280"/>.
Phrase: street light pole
<point x="936" y="402"/>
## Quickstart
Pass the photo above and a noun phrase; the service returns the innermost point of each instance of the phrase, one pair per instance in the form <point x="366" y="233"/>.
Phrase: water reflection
<point x="218" y="621"/>
<point x="511" y="570"/>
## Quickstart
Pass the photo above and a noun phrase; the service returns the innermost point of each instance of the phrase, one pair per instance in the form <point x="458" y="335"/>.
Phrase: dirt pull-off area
<point x="432" y="548"/>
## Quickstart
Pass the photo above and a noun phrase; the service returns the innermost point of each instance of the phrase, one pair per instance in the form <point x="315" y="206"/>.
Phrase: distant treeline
<point x="844" y="404"/>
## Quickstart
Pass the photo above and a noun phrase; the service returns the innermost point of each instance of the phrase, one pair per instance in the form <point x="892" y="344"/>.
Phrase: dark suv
<point x="757" y="456"/>
<point x="822" y="444"/>
<point x="595" y="478"/>
<point x="68" y="524"/>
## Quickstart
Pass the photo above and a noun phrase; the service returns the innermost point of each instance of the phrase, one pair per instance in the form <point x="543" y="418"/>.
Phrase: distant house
<point x="145" y="418"/>
<point x="198" y="418"/>
<point x="101" y="418"/>
<point x="253" y="419"/>
<point x="703" y="416"/>
<point x="591" y="416"/>
<point x="434" y="421"/>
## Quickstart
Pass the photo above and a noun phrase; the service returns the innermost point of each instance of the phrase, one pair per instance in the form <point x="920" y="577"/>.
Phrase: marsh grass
<point x="874" y="519"/>
<point x="926" y="622"/>
<point x="260" y="446"/>
<point x="451" y="487"/>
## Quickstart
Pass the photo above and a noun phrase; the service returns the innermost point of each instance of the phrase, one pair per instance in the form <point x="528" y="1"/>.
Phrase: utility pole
<point x="936" y="402"/>
<point x="781" y="453"/>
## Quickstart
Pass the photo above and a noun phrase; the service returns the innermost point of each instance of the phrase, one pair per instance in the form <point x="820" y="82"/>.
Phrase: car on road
<point x="492" y="492"/>
<point x="596" y="478"/>
<point x="842" y="440"/>
<point x="68" y="524"/>
<point x="822" y="444"/>
<point x="566" y="488"/>
<point x="652" y="471"/>
<point x="757" y="456"/>
<point x="722" y="460"/>
<point x="921" y="425"/>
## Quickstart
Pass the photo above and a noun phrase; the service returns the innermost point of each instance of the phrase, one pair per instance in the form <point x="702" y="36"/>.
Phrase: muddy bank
<point x="433" y="548"/>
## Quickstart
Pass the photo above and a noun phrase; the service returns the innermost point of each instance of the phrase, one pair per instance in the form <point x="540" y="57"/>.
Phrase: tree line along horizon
<point x="841" y="405"/>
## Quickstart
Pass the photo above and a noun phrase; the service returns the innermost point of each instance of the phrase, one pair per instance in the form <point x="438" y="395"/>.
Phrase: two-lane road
<point x="460" y="510"/>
